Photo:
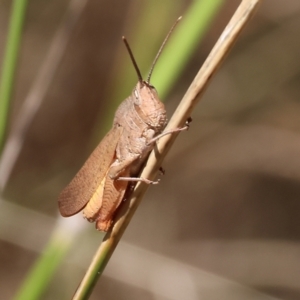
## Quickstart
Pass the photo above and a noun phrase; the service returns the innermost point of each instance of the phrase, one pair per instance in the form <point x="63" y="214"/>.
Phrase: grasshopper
<point x="99" y="186"/>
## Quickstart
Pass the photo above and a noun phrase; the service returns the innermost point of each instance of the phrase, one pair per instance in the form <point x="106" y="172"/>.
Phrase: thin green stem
<point x="10" y="62"/>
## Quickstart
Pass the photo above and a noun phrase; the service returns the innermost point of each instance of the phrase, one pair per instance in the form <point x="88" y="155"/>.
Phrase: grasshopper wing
<point x="81" y="189"/>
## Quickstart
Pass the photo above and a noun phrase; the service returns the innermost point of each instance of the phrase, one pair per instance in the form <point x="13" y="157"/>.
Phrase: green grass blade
<point x="41" y="273"/>
<point x="183" y="42"/>
<point x="10" y="62"/>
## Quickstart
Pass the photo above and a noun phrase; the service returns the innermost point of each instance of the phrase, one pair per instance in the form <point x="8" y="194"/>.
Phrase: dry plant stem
<point x="184" y="110"/>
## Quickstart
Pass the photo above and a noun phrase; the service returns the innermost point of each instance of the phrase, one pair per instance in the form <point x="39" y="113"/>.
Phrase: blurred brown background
<point x="224" y="222"/>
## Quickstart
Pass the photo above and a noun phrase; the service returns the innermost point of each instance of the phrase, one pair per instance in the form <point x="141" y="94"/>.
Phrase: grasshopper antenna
<point x="133" y="60"/>
<point x="160" y="50"/>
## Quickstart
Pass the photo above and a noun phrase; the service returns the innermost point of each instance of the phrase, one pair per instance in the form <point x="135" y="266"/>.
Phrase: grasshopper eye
<point x="136" y="94"/>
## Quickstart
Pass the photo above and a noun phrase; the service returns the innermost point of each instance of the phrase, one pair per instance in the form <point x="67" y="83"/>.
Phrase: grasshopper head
<point x="148" y="105"/>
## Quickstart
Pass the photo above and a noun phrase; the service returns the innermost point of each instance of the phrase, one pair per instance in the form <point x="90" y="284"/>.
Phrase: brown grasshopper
<point x="99" y="186"/>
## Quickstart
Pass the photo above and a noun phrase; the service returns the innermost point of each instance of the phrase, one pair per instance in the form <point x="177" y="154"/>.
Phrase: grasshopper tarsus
<point x="162" y="170"/>
<point x="188" y="122"/>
